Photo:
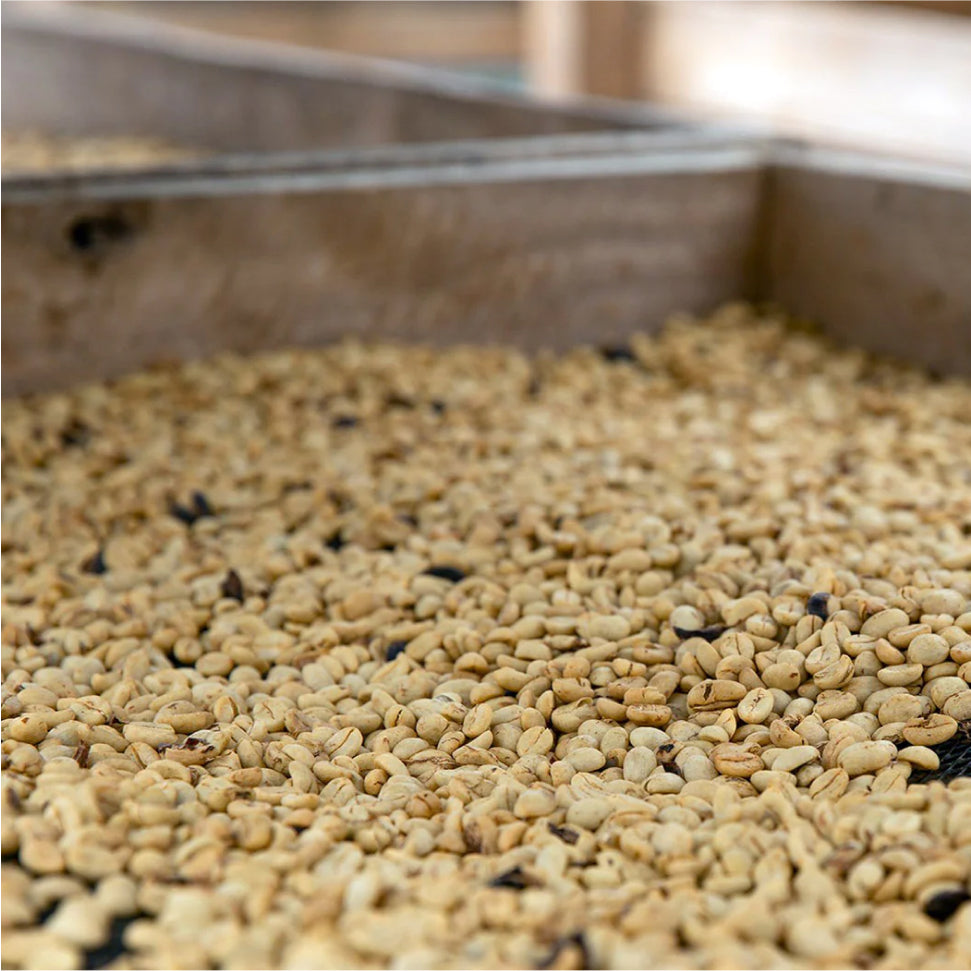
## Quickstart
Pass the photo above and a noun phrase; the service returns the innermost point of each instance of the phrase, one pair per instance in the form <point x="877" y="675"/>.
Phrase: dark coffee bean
<point x="200" y="505"/>
<point x="344" y="421"/>
<point x="335" y="541"/>
<point x="514" y="879"/>
<point x="617" y="352"/>
<point x="81" y="754"/>
<point x="114" y="947"/>
<point x="708" y="633"/>
<point x="452" y="573"/>
<point x="944" y="905"/>
<point x="232" y="586"/>
<point x="75" y="432"/>
<point x="394" y="649"/>
<point x="95" y="563"/>
<point x="183" y="514"/>
<point x="818" y="605"/>
<point x="567" y="835"/>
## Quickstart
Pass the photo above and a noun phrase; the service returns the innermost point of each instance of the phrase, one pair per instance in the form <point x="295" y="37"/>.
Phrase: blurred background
<point x="887" y="77"/>
<point x="595" y="189"/>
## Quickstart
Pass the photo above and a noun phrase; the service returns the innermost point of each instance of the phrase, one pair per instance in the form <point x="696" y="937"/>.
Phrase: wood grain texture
<point x="879" y="259"/>
<point x="537" y="241"/>
<point x="70" y="72"/>
<point x="536" y="262"/>
<point x="540" y="251"/>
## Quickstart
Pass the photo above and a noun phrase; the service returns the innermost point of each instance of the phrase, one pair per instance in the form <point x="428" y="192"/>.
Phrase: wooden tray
<point x="539" y="240"/>
<point x="82" y="72"/>
<point x="111" y="274"/>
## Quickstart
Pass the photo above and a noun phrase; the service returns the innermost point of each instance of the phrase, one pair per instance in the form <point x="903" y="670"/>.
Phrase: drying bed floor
<point x="377" y="656"/>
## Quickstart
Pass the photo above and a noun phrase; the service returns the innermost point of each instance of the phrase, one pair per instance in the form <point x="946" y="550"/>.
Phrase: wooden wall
<point x="892" y="77"/>
<point x="883" y="76"/>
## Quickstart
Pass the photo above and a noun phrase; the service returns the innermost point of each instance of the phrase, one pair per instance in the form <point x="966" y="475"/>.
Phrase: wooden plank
<point x="83" y="72"/>
<point x="574" y="47"/>
<point x="537" y="250"/>
<point x="542" y="252"/>
<point x="876" y="252"/>
<point x="855" y="75"/>
<point x="613" y="48"/>
<point x="222" y="173"/>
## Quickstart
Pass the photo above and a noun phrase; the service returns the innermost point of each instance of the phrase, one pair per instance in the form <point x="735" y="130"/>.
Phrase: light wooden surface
<point x="78" y="72"/>
<point x="547" y="252"/>
<point x="573" y="47"/>
<point x="535" y="243"/>
<point x="552" y="50"/>
<point x="114" y="275"/>
<point x="870" y="76"/>
<point x="874" y="252"/>
<point x="893" y="77"/>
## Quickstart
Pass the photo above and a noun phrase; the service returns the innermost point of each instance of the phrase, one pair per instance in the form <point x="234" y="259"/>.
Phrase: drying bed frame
<point x="74" y="72"/>
<point x="604" y="225"/>
<point x="108" y="275"/>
